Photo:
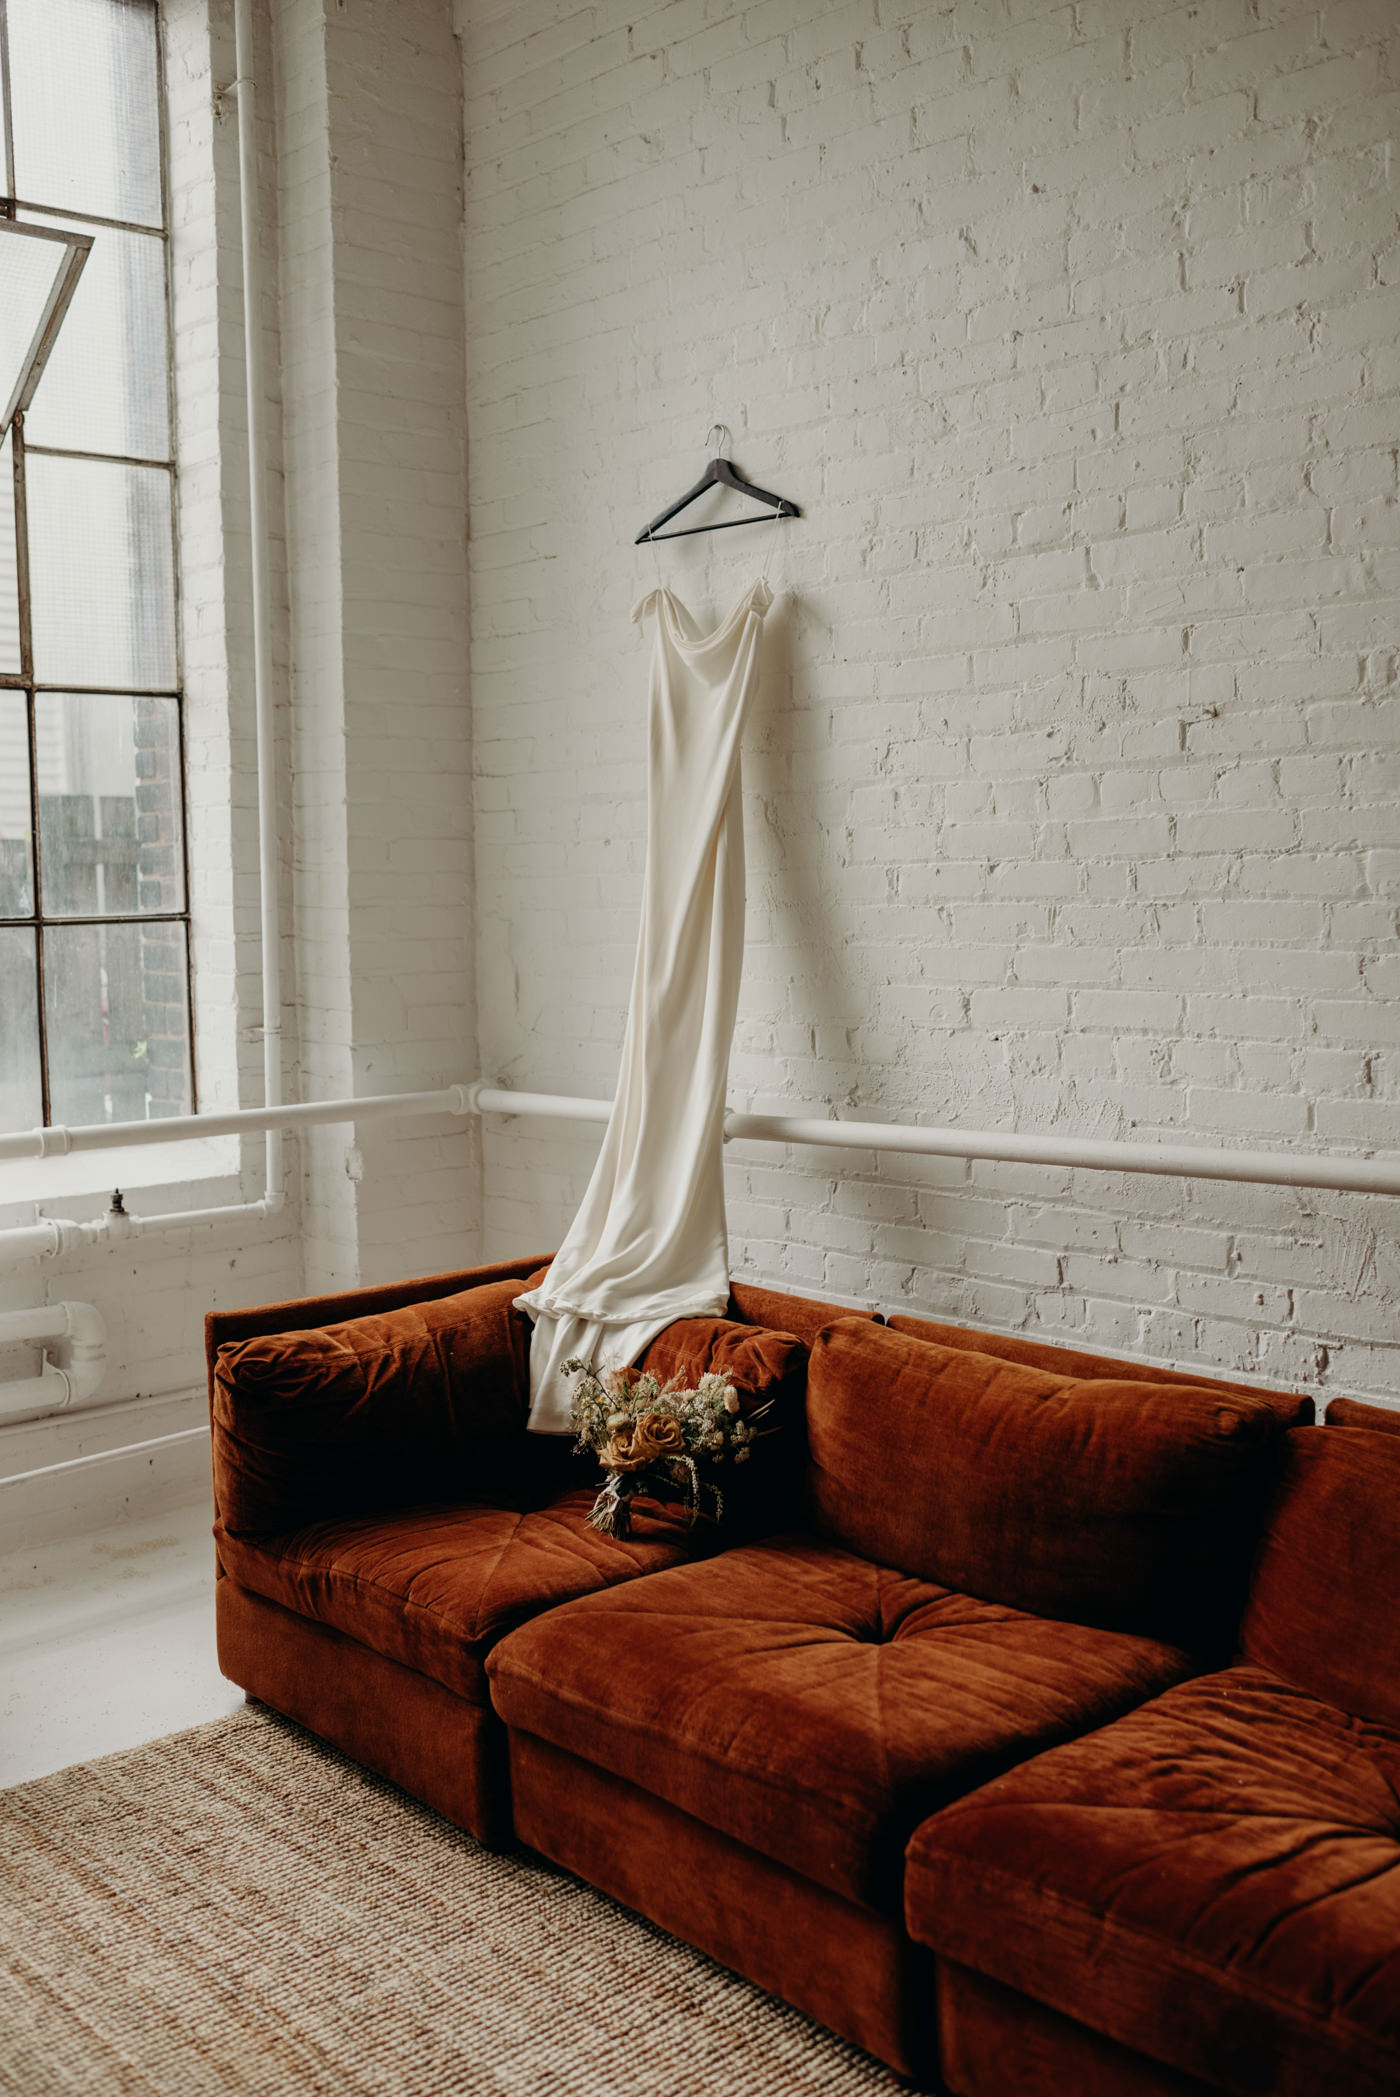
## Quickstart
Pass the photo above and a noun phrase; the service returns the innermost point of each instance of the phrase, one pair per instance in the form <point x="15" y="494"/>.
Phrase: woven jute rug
<point x="238" y="1911"/>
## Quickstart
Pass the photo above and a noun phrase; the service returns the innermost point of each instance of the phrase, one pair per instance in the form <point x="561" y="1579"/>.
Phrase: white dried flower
<point x="616" y="1420"/>
<point x="741" y="1456"/>
<point x="731" y="1401"/>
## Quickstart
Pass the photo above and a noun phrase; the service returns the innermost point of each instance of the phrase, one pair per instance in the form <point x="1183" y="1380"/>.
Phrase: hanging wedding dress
<point x="650" y="1243"/>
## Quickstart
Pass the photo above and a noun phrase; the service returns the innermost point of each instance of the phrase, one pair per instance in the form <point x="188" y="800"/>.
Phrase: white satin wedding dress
<point x="650" y="1242"/>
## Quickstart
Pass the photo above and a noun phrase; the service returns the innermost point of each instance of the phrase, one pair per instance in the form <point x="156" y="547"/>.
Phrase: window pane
<point x="85" y="107"/>
<point x="109" y="804"/>
<point x="117" y="1022"/>
<point x="16" y="874"/>
<point x="102" y="590"/>
<point x="104" y="386"/>
<point x="9" y="579"/>
<point x="31" y="266"/>
<point x="21" y="1101"/>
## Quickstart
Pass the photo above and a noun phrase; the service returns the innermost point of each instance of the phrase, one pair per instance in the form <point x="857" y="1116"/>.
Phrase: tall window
<point x="94" y="916"/>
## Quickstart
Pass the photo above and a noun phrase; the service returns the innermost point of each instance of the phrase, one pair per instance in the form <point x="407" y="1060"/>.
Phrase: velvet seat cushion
<point x="1213" y="1880"/>
<point x="809" y="1703"/>
<point x="434" y="1587"/>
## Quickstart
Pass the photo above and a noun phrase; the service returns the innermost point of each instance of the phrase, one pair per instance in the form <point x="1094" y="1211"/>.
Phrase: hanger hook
<point x="720" y="430"/>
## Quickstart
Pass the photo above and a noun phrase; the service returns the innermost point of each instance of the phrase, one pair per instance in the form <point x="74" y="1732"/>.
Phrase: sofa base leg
<point x="997" y="2042"/>
<point x="852" y="1970"/>
<point x="402" y="1725"/>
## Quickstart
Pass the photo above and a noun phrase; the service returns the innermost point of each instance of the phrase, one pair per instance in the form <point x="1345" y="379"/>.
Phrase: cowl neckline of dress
<point x="756" y="598"/>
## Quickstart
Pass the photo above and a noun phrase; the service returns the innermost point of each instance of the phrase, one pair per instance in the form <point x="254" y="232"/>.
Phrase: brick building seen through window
<point x="94" y="932"/>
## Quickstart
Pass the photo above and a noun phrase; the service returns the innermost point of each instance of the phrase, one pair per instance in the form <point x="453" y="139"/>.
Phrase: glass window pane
<point x="85" y="106"/>
<point x="109" y="804"/>
<point x="102" y="588"/>
<point x="21" y="1101"/>
<point x="31" y="266"/>
<point x="104" y="386"/>
<point x="9" y="578"/>
<point x="16" y="873"/>
<point x="117" y="1021"/>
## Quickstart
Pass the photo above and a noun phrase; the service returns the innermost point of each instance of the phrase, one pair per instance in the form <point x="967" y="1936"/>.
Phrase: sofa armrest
<point x="420" y="1402"/>
<point x="297" y="1313"/>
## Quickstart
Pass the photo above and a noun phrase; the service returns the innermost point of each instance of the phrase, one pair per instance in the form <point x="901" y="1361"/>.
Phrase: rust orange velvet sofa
<point x="986" y="1566"/>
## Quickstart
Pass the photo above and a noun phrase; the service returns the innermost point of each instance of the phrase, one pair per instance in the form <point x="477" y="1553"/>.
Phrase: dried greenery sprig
<point x="659" y="1439"/>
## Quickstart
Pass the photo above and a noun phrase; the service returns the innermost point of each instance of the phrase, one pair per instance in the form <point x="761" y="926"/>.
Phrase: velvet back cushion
<point x="1295" y="1408"/>
<point x="1355" y="1412"/>
<point x="1324" y="1602"/>
<point x="422" y="1403"/>
<point x="1131" y="1506"/>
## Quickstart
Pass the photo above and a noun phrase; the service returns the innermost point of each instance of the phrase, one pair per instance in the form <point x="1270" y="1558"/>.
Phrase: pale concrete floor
<point x="107" y="1640"/>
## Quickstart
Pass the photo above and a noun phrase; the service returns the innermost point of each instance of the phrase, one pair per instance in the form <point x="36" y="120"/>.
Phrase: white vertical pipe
<point x="263" y="698"/>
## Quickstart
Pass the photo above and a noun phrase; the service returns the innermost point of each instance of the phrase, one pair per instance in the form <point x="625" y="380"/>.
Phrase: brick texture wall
<point x="1071" y="791"/>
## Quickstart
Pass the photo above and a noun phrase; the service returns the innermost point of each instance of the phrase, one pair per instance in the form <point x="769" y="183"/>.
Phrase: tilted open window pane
<point x="102" y="584"/>
<point x="85" y="105"/>
<point x="109" y="804"/>
<point x="29" y="270"/>
<point x="118" y="1023"/>
<point x="21" y="1099"/>
<point x="16" y="871"/>
<point x="104" y="385"/>
<point x="9" y="573"/>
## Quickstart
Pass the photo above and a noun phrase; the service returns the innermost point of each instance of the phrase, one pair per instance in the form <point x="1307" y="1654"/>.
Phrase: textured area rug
<point x="238" y="1911"/>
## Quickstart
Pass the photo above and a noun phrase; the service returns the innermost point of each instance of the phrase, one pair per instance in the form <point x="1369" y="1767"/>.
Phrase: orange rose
<point x="649" y="1440"/>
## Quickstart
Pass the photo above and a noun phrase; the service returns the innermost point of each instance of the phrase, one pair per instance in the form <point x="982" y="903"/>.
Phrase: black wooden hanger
<point x="718" y="474"/>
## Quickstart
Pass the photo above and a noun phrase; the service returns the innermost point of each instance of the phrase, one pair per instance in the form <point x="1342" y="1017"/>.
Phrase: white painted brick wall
<point x="1071" y="790"/>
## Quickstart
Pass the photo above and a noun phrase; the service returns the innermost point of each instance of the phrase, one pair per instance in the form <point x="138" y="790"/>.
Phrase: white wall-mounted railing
<point x="53" y="1234"/>
<point x="1373" y="1175"/>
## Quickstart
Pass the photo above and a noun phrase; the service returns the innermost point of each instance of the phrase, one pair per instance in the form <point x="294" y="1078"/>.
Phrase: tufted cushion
<point x="435" y="1588"/>
<point x="396" y="1406"/>
<point x="809" y="1703"/>
<point x="1213" y="1880"/>
<point x="1132" y="1506"/>
<point x="1324" y="1602"/>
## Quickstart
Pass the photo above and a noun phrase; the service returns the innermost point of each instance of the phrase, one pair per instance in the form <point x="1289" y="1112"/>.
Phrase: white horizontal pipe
<point x="539" y="1106"/>
<point x="80" y="1328"/>
<point x="1378" y="1175"/>
<point x="238" y="1121"/>
<point x="1177" y="1160"/>
<point x="26" y="1397"/>
<point x="54" y="1235"/>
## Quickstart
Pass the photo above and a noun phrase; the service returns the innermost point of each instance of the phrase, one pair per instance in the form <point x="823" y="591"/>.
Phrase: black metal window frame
<point x="23" y="680"/>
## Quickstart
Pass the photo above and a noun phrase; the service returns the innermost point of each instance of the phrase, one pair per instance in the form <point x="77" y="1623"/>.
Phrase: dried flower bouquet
<point x="659" y="1439"/>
